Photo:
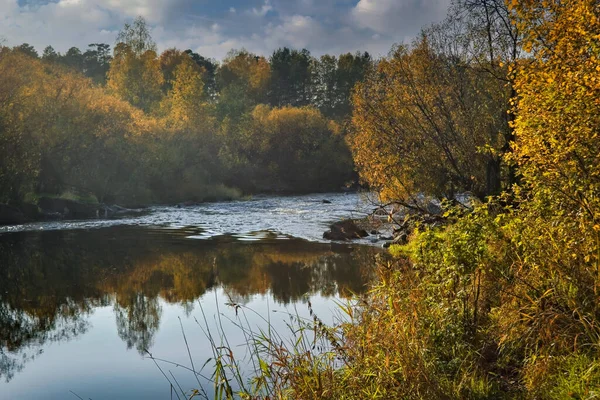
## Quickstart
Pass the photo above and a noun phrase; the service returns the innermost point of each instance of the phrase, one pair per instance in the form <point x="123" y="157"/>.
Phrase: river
<point x="81" y="302"/>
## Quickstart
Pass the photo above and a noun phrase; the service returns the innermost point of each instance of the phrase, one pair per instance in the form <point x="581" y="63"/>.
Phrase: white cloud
<point x="296" y="31"/>
<point x="152" y="10"/>
<point x="264" y="10"/>
<point x="8" y="8"/>
<point x="322" y="26"/>
<point x="68" y="23"/>
<point x="398" y="17"/>
<point x="63" y="24"/>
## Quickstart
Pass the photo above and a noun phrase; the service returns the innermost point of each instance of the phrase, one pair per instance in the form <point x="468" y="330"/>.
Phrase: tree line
<point x="134" y="126"/>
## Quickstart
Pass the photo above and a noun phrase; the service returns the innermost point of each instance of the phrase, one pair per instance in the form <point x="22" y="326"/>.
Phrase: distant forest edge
<point x="134" y="127"/>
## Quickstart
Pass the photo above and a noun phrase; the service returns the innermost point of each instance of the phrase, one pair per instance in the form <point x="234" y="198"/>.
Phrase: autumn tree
<point x="290" y="149"/>
<point x="186" y="102"/>
<point x="209" y="66"/>
<point x="173" y="127"/>
<point x="137" y="37"/>
<point x="243" y="81"/>
<point x="433" y="118"/>
<point x="189" y="154"/>
<point x="169" y="60"/>
<point x="421" y="125"/>
<point x="70" y="135"/>
<point x="557" y="226"/>
<point x="135" y="73"/>
<point x="20" y="160"/>
<point x="494" y="44"/>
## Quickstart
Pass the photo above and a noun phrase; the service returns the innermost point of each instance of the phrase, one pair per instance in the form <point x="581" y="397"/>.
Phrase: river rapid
<point x="303" y="217"/>
<point x="83" y="302"/>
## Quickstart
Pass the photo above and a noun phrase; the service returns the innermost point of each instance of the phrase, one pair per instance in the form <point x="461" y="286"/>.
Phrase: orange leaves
<point x="420" y="121"/>
<point x="557" y="130"/>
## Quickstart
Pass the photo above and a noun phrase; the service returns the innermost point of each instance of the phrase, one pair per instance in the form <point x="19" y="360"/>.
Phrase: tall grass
<point x="460" y="312"/>
<point x="272" y="364"/>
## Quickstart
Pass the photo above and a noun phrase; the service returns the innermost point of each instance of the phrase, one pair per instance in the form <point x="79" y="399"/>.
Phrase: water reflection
<point x="50" y="282"/>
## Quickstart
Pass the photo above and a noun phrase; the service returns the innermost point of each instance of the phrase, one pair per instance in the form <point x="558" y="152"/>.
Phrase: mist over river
<point x="82" y="301"/>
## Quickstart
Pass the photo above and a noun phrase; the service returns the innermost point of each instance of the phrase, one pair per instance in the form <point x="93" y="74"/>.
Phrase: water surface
<point x="303" y="217"/>
<point x="81" y="302"/>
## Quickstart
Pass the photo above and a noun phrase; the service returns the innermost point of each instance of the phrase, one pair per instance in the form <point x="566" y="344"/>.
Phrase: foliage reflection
<point x="51" y="281"/>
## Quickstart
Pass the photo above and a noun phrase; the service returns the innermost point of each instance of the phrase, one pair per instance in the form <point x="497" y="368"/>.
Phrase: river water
<point x="82" y="302"/>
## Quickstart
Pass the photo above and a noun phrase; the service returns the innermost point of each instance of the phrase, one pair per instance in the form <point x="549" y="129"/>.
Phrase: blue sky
<point x="213" y="27"/>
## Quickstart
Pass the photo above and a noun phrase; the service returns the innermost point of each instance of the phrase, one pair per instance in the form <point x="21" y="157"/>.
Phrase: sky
<point x="214" y="27"/>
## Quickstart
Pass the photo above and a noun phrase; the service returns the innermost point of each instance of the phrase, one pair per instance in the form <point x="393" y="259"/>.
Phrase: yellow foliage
<point x="251" y="71"/>
<point x="185" y="103"/>
<point x="427" y="122"/>
<point x="136" y="78"/>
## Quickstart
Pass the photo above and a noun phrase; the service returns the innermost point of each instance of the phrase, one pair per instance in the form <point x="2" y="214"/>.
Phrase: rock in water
<point x="117" y="211"/>
<point x="433" y="208"/>
<point x="344" y="230"/>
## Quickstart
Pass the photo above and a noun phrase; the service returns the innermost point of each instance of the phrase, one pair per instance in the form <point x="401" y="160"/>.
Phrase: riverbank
<point x="476" y="308"/>
<point x="74" y="206"/>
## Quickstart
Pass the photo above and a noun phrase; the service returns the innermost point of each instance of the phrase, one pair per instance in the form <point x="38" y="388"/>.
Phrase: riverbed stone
<point x="344" y="230"/>
<point x="433" y="208"/>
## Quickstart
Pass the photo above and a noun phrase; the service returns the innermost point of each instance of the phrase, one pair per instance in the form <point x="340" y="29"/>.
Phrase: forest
<point x="134" y="127"/>
<point x="497" y="298"/>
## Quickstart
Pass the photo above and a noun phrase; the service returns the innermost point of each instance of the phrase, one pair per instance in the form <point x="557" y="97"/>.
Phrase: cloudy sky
<point x="213" y="27"/>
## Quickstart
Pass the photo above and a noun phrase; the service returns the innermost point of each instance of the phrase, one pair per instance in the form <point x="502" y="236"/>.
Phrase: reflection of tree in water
<point x="50" y="281"/>
<point x="293" y="270"/>
<point x="10" y="364"/>
<point x="39" y="303"/>
<point x="22" y="336"/>
<point x="138" y="319"/>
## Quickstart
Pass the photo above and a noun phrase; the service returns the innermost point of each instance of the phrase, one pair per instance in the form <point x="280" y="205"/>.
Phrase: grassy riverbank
<point x="483" y="308"/>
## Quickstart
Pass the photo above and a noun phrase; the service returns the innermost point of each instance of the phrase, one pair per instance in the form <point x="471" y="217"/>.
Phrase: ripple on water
<point x="259" y="218"/>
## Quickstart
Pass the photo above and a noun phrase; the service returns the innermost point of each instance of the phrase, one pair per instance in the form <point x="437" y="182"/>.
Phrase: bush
<point x="469" y="311"/>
